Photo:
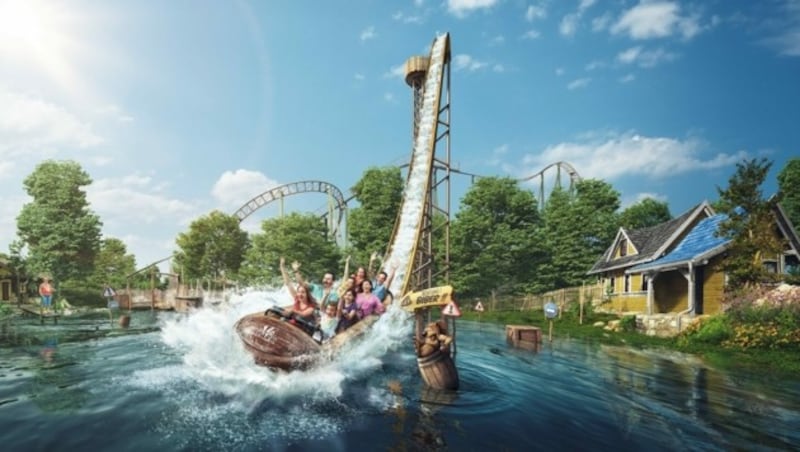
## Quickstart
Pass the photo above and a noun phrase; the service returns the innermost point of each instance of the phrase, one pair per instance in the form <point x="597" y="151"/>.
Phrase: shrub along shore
<point x="762" y="339"/>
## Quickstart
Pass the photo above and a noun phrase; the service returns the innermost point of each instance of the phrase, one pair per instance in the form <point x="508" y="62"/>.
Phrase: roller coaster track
<point x="294" y="188"/>
<point x="408" y="227"/>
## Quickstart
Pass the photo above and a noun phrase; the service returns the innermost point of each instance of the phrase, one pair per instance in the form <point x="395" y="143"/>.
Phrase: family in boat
<point x="322" y="317"/>
<point x="328" y="308"/>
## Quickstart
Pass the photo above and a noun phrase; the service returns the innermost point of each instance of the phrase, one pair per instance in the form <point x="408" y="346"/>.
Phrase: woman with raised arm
<point x="304" y="304"/>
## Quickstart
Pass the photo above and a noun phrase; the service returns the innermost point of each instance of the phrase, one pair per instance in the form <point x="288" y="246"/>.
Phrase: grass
<point x="784" y="362"/>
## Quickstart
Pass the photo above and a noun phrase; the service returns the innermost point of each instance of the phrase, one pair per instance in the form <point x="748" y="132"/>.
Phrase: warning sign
<point x="452" y="310"/>
<point x="479" y="307"/>
<point x="109" y="292"/>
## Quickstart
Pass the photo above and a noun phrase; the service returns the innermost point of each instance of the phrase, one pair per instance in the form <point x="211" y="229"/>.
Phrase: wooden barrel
<point x="438" y="370"/>
<point x="124" y="321"/>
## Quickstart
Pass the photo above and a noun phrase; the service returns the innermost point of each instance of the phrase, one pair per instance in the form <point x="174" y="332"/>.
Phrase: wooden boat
<point x="282" y="342"/>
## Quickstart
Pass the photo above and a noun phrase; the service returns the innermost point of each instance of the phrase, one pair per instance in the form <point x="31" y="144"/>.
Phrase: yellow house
<point x="627" y="291"/>
<point x="687" y="277"/>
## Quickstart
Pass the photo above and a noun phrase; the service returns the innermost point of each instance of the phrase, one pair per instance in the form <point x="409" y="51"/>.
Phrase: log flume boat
<point x="286" y="342"/>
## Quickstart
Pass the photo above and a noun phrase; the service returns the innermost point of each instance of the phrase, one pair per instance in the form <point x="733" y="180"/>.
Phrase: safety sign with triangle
<point x="479" y="307"/>
<point x="452" y="310"/>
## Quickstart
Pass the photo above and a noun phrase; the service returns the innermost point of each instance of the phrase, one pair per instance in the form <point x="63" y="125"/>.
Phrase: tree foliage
<point x="214" y="247"/>
<point x="300" y="237"/>
<point x="577" y="231"/>
<point x="789" y="190"/>
<point x="60" y="231"/>
<point x="112" y="264"/>
<point x="645" y="213"/>
<point x="369" y="226"/>
<point x="495" y="238"/>
<point x="750" y="223"/>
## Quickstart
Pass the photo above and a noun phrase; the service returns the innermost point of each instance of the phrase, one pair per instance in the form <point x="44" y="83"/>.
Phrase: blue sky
<point x="178" y="108"/>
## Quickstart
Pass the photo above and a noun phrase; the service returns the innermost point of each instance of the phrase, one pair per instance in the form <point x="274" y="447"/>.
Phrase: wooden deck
<point x="38" y="311"/>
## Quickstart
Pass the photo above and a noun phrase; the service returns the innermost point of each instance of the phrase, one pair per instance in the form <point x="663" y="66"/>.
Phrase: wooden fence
<point x="588" y="294"/>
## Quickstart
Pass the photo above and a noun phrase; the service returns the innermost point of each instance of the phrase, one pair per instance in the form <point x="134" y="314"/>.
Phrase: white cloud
<point x="30" y="124"/>
<point x="498" y="68"/>
<point x="466" y="62"/>
<point x="461" y="8"/>
<point x="535" y="12"/>
<point x="407" y="18"/>
<point x="398" y="71"/>
<point x="579" y="83"/>
<point x="497" y="40"/>
<point x="560" y="71"/>
<point x="115" y="198"/>
<point x="115" y="112"/>
<point x="601" y="23"/>
<point x="645" y="58"/>
<point x="627" y="78"/>
<point x="568" y="25"/>
<point x="596" y="64"/>
<point x="234" y="188"/>
<point x="368" y="33"/>
<point x="388" y="97"/>
<point x="657" y="19"/>
<point x="629" y="200"/>
<point x="785" y="31"/>
<point x="612" y="156"/>
<point x="359" y="76"/>
<point x="497" y="154"/>
<point x="530" y="34"/>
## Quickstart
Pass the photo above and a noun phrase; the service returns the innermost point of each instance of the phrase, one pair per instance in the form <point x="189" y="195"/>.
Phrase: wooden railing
<point x="587" y="294"/>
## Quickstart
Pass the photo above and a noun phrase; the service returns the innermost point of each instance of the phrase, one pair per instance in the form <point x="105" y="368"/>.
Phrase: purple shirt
<point x="369" y="304"/>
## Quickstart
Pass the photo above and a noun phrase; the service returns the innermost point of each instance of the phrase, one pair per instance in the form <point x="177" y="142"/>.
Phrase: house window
<point x="627" y="283"/>
<point x="623" y="247"/>
<point x="645" y="282"/>
<point x="770" y="266"/>
<point x="612" y="284"/>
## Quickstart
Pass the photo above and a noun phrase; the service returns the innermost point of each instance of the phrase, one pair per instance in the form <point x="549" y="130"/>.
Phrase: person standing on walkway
<point x="46" y="292"/>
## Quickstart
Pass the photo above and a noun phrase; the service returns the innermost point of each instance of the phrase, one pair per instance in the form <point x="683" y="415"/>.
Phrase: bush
<point x="628" y="323"/>
<point x="713" y="331"/>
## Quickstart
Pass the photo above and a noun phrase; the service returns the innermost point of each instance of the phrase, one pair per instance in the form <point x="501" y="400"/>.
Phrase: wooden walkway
<point x="38" y="311"/>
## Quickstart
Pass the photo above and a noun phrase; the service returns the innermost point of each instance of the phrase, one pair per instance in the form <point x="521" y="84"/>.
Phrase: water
<point x="183" y="382"/>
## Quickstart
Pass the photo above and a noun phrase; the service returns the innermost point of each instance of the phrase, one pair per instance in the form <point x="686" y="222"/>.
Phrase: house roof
<point x="701" y="243"/>
<point x="651" y="242"/>
<point x="787" y="227"/>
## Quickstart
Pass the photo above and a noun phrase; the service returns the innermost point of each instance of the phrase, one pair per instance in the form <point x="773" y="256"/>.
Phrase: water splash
<point x="213" y="356"/>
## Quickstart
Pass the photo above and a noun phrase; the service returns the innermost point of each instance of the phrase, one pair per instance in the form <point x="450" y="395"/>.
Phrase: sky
<point x="179" y="108"/>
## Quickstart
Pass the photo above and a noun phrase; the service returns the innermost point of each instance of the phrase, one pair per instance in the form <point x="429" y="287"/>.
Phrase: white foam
<point x="415" y="192"/>
<point x="214" y="357"/>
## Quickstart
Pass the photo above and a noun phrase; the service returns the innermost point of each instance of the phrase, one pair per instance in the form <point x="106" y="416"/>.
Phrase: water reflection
<point x="49" y="349"/>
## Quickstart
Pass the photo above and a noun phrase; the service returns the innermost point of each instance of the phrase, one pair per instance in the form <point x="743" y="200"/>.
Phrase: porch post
<point x="651" y="280"/>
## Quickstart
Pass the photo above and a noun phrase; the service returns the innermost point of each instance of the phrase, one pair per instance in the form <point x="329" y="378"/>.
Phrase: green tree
<point x="369" y="226"/>
<point x="300" y="237"/>
<point x="60" y="231"/>
<point x="214" y="247"/>
<point x="495" y="238"/>
<point x="578" y="228"/>
<point x="645" y="213"/>
<point x="112" y="264"/>
<point x="789" y="190"/>
<point x="750" y="224"/>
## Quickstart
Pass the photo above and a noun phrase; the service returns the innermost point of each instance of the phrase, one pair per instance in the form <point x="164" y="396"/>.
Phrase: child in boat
<point x="349" y="310"/>
<point x="329" y="320"/>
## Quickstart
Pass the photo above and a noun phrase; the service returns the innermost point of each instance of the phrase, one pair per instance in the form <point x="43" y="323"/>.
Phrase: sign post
<point x="479" y="308"/>
<point x="550" y="312"/>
